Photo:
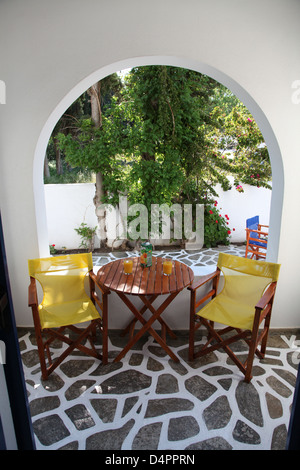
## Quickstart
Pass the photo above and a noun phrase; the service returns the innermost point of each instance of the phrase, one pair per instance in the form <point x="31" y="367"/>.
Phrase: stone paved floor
<point x="200" y="261"/>
<point x="149" y="402"/>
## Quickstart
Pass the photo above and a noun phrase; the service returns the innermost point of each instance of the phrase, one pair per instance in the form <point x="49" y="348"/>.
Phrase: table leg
<point x="147" y="324"/>
<point x="164" y="327"/>
<point x="130" y="327"/>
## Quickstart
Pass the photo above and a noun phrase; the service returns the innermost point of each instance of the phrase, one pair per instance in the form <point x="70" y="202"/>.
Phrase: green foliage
<point x="169" y="135"/>
<point x="97" y="150"/>
<point x="216" y="227"/>
<point x="52" y="249"/>
<point x="69" y="175"/>
<point x="165" y="110"/>
<point x="239" y="147"/>
<point x="73" y="122"/>
<point x="87" y="235"/>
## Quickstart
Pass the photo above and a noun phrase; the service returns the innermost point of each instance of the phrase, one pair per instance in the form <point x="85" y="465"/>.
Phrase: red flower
<point x="217" y="221"/>
<point x="211" y="212"/>
<point x="229" y="232"/>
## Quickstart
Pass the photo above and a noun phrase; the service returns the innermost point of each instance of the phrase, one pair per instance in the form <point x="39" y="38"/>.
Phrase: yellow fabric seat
<point x="68" y="313"/>
<point x="228" y="311"/>
<point x="65" y="302"/>
<point x="239" y="305"/>
<point x="244" y="284"/>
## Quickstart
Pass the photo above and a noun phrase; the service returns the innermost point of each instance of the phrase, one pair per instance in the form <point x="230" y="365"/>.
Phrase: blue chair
<point x="256" y="238"/>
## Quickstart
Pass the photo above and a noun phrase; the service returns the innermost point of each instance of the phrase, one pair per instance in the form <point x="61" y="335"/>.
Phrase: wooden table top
<point x="145" y="281"/>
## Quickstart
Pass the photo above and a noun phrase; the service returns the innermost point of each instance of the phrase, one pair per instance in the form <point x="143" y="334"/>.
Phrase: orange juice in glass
<point x="167" y="267"/>
<point x="127" y="266"/>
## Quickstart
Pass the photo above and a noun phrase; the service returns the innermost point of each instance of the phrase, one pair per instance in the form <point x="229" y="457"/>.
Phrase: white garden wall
<point x="68" y="205"/>
<point x="241" y="206"/>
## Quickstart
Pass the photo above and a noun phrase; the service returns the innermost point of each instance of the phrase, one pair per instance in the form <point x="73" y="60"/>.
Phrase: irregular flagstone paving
<point x="149" y="402"/>
<point x="204" y="258"/>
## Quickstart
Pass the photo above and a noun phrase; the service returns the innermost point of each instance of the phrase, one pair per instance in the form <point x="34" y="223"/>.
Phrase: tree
<point x="67" y="124"/>
<point x="238" y="144"/>
<point x="92" y="145"/>
<point x="168" y="135"/>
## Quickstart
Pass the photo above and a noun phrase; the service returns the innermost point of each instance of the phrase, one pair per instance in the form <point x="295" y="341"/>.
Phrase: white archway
<point x="241" y="93"/>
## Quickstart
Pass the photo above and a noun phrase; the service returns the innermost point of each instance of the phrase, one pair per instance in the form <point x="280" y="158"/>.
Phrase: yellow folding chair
<point x="64" y="305"/>
<point x="245" y="301"/>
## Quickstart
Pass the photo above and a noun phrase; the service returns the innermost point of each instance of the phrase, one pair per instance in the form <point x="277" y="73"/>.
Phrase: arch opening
<point x="233" y="86"/>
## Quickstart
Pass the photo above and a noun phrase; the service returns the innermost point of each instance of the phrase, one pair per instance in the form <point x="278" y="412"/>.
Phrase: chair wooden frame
<point x="46" y="336"/>
<point x="257" y="246"/>
<point x="253" y="338"/>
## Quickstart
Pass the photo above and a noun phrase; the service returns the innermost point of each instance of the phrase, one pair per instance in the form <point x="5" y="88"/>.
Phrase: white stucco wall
<point x="241" y="206"/>
<point x="50" y="52"/>
<point x="69" y="205"/>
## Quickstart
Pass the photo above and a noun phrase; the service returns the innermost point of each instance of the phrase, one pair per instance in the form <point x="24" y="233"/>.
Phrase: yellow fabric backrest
<point x="61" y="277"/>
<point x="246" y="279"/>
<point x="249" y="266"/>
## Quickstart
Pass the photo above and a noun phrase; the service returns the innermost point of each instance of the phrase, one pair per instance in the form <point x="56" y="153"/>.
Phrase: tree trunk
<point x="96" y="115"/>
<point x="95" y="94"/>
<point x="46" y="168"/>
<point x="100" y="213"/>
<point x="59" y="168"/>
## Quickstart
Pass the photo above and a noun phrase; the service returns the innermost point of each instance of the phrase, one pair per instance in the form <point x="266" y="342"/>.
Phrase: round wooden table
<point x="147" y="284"/>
